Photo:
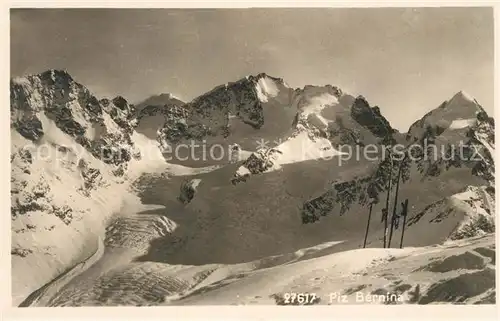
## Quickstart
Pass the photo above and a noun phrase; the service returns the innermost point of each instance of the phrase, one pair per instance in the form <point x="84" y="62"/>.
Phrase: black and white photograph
<point x="260" y="156"/>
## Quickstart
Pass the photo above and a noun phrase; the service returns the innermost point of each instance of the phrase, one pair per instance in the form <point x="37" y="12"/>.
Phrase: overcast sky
<point x="407" y="61"/>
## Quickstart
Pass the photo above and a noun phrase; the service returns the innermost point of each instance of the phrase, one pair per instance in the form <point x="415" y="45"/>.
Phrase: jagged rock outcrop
<point x="102" y="127"/>
<point x="188" y="189"/>
<point x="48" y="106"/>
<point x="121" y="112"/>
<point x="30" y="127"/>
<point x="359" y="124"/>
<point x="155" y="112"/>
<point x="209" y="114"/>
<point x="175" y="127"/>
<point x="341" y="196"/>
<point x="92" y="177"/>
<point x="258" y="162"/>
<point x="371" y="118"/>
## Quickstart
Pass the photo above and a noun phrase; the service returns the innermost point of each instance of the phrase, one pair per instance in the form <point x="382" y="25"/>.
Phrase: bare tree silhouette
<point x="403" y="174"/>
<point x="385" y="211"/>
<point x="373" y="200"/>
<point x="404" y="214"/>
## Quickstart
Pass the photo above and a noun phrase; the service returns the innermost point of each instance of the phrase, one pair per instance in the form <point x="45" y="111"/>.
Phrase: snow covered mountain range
<point x="291" y="193"/>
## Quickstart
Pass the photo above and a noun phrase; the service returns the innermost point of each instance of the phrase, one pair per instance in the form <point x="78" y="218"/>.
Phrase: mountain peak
<point x="166" y="96"/>
<point x="51" y="76"/>
<point x="57" y="73"/>
<point x="159" y="100"/>
<point x="465" y="94"/>
<point x="463" y="104"/>
<point x="462" y="97"/>
<point x="459" y="112"/>
<point x="263" y="75"/>
<point x="56" y="76"/>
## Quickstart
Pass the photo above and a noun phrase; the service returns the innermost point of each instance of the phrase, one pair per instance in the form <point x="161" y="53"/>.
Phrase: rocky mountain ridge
<point x="64" y="193"/>
<point x="71" y="153"/>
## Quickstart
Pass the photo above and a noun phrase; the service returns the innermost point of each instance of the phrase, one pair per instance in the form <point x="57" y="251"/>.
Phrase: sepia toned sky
<point x="407" y="61"/>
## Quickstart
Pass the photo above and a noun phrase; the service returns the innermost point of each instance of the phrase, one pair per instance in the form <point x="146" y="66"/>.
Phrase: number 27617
<point x="300" y="298"/>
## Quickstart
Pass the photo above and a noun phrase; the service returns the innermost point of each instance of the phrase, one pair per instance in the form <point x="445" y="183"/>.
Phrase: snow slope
<point x="266" y="87"/>
<point x="60" y="217"/>
<point x="462" y="123"/>
<point x="455" y="272"/>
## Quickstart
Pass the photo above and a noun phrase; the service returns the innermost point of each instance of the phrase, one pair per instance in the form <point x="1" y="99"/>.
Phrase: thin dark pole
<point x="368" y="224"/>
<point x="404" y="224"/>
<point x="395" y="206"/>
<point x="387" y="206"/>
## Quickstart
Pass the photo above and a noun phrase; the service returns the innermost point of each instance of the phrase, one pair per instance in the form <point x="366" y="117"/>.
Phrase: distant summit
<point x="159" y="100"/>
<point x="458" y="112"/>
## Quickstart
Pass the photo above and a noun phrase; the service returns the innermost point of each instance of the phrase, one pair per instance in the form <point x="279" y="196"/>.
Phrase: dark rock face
<point x="104" y="102"/>
<point x="175" y="127"/>
<point x="483" y="117"/>
<point x="64" y="213"/>
<point x="317" y="207"/>
<point x="110" y="151"/>
<point x="168" y="117"/>
<point x="341" y="135"/>
<point x="30" y="128"/>
<point x="64" y="119"/>
<point x="122" y="113"/>
<point x="121" y="103"/>
<point x="91" y="103"/>
<point x="21" y="252"/>
<point x="188" y="190"/>
<point x="256" y="163"/>
<point x="55" y="93"/>
<point x="371" y="118"/>
<point x="92" y="177"/>
<point x="483" y="134"/>
<point x="342" y="195"/>
<point x="151" y="110"/>
<point x="26" y="156"/>
<point x="58" y="78"/>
